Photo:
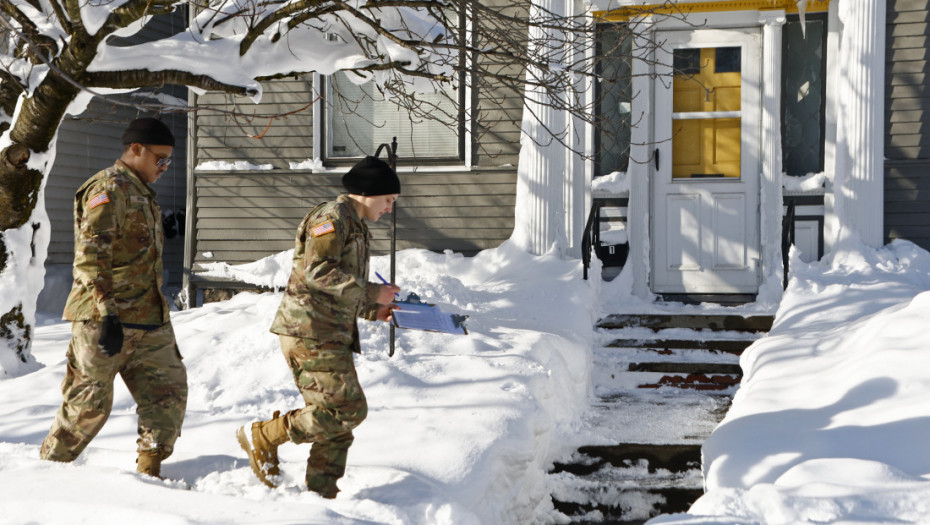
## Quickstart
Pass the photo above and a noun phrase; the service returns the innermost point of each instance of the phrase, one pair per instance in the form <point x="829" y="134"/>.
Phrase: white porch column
<point x="859" y="179"/>
<point x="642" y="150"/>
<point x="771" y="182"/>
<point x="544" y="175"/>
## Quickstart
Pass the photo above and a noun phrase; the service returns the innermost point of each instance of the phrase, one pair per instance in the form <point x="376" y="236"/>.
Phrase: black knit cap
<point x="148" y="131"/>
<point x="371" y="176"/>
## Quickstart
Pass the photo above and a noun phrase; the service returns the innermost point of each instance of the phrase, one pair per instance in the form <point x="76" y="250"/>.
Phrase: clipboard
<point x="415" y="315"/>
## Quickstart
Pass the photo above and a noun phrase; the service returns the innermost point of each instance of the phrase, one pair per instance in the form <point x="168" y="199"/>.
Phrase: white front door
<point x="705" y="190"/>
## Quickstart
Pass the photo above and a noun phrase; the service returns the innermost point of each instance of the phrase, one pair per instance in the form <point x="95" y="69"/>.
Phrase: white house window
<point x="360" y="119"/>
<point x="613" y="96"/>
<point x="804" y="92"/>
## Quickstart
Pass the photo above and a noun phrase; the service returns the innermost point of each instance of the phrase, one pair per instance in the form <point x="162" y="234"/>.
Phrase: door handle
<point x="656" y="159"/>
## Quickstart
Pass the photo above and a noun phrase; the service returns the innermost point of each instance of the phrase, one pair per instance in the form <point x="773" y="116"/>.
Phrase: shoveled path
<point x="662" y="383"/>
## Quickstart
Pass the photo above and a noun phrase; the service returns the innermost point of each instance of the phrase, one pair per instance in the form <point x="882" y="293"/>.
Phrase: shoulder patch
<point x="323" y="229"/>
<point x="97" y="200"/>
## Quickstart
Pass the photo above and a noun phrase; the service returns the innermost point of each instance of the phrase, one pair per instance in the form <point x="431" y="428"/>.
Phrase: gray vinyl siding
<point x="243" y="217"/>
<point x="497" y="115"/>
<point x="497" y="111"/>
<point x="907" y="142"/>
<point x="278" y="131"/>
<point x="498" y="137"/>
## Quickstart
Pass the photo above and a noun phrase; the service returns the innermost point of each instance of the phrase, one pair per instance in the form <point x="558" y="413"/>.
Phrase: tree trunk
<point x="24" y="224"/>
<point x="17" y="202"/>
<point x="19" y="264"/>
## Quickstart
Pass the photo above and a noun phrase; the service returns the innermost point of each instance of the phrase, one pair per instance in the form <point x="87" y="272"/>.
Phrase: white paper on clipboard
<point x="428" y="317"/>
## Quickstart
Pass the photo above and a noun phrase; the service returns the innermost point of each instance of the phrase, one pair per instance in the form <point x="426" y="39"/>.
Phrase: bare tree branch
<point x="132" y="11"/>
<point x="39" y="43"/>
<point x="142" y="78"/>
<point x="299" y="11"/>
<point x="61" y="15"/>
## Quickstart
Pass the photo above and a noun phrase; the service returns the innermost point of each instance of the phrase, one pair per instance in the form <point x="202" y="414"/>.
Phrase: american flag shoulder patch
<point x="322" y="229"/>
<point x="97" y="200"/>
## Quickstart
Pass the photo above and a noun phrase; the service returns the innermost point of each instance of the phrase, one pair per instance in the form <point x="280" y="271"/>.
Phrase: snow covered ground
<point x="461" y="429"/>
<point x="828" y="426"/>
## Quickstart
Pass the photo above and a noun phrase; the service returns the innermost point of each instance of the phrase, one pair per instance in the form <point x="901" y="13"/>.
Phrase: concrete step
<point x="628" y="482"/>
<point x="736" y="323"/>
<point x="703" y="382"/>
<point x="687" y="368"/>
<point x="672" y="367"/>
<point x="690" y="375"/>
<point x="663" y="383"/>
<point x="730" y="346"/>
<point x="671" y="457"/>
<point x="624" y="505"/>
<point x="661" y="416"/>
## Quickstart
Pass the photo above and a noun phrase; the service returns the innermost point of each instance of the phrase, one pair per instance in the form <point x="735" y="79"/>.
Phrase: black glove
<point x="111" y="335"/>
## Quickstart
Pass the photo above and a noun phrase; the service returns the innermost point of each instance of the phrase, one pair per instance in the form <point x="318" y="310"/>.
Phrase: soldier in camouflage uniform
<point x="327" y="292"/>
<point x="120" y="316"/>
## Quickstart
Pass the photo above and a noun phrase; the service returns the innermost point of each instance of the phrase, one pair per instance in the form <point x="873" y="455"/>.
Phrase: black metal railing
<point x="391" y="150"/>
<point x="611" y="255"/>
<point x="787" y="240"/>
<point x="589" y="238"/>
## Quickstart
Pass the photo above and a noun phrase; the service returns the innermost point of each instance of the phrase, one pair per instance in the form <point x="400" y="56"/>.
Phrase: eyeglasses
<point x="163" y="161"/>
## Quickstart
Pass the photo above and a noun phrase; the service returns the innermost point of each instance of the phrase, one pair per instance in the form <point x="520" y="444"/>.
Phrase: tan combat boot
<point x="261" y="444"/>
<point x="149" y="463"/>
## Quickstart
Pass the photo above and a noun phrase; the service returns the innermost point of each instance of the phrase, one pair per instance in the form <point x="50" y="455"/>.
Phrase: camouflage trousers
<point x="150" y="365"/>
<point x="325" y="375"/>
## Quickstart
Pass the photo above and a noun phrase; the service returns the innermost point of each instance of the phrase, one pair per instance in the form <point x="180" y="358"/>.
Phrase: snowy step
<point x="687" y="368"/>
<point x="609" y="504"/>
<point x="736" y="323"/>
<point x="671" y="457"/>
<point x="708" y="365"/>
<point x="627" y="482"/>
<point x="663" y="383"/>
<point x="627" y="373"/>
<point x="615" y="358"/>
<point x="703" y="382"/>
<point x="729" y="346"/>
<point x="667" y="416"/>
<point x="697" y="376"/>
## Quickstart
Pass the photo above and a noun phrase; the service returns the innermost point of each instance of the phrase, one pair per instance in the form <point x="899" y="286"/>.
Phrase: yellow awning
<point x="623" y="14"/>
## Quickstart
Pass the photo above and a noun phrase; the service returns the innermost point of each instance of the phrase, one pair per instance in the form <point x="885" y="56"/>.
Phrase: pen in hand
<point x="383" y="280"/>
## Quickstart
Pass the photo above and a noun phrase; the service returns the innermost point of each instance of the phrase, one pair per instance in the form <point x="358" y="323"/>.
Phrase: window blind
<point x="360" y="119"/>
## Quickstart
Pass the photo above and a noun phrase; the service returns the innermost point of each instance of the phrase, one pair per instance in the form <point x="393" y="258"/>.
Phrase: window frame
<point x="463" y="93"/>
<point x="598" y="93"/>
<point x="824" y="43"/>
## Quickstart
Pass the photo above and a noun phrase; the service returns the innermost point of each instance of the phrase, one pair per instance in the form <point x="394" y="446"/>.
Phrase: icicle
<point x="802" y="10"/>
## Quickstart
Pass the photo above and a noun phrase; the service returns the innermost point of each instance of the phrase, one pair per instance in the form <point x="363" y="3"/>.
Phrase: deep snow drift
<point x="830" y="422"/>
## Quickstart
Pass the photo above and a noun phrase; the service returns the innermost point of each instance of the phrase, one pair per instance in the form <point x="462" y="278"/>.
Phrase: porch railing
<point x="787" y="239"/>
<point x="589" y="238"/>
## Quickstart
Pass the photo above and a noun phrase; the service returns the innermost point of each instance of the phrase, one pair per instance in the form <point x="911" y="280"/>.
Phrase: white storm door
<point x="705" y="191"/>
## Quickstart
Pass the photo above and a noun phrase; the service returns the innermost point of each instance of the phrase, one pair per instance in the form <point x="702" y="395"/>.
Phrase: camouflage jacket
<point x="328" y="289"/>
<point x="118" y="243"/>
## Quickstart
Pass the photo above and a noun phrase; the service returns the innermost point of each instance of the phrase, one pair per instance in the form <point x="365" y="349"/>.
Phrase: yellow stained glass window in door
<point x="706" y="113"/>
